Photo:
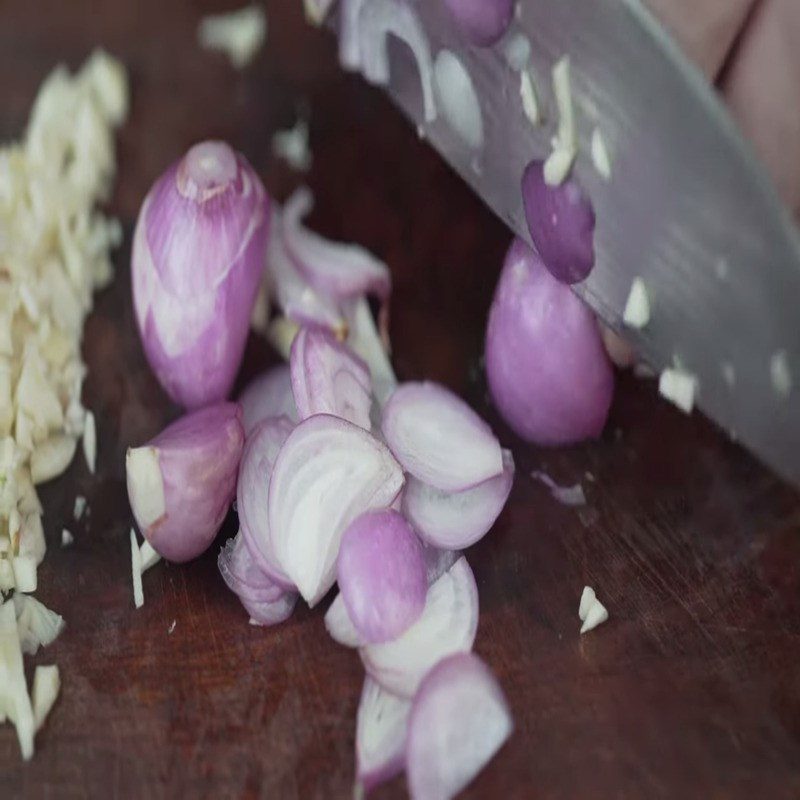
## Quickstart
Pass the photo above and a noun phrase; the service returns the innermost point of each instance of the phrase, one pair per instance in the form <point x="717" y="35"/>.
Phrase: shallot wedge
<point x="459" y="719"/>
<point x="266" y="601"/>
<point x="337" y="619"/>
<point x="327" y="378"/>
<point x="456" y="520"/>
<point x="252" y="493"/>
<point x="338" y="270"/>
<point x="296" y="297"/>
<point x="181" y="483"/>
<point x="381" y="574"/>
<point x="381" y="726"/>
<point x="439" y="439"/>
<point x="327" y="473"/>
<point x="268" y="395"/>
<point x="365" y="341"/>
<point x="448" y="624"/>
<point x="340" y="626"/>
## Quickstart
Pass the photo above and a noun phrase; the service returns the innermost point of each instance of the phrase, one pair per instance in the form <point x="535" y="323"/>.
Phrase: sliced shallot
<point x="376" y="20"/>
<point x="439" y="439"/>
<point x="252" y="493"/>
<point x="340" y="626"/>
<point x="456" y="520"/>
<point x="327" y="378"/>
<point x="448" y="624"/>
<point x="364" y="339"/>
<point x="341" y="271"/>
<point x="266" y="601"/>
<point x="328" y="472"/>
<point x="381" y="575"/>
<point x="296" y="297"/>
<point x="268" y="395"/>
<point x="381" y="727"/>
<point x="459" y="719"/>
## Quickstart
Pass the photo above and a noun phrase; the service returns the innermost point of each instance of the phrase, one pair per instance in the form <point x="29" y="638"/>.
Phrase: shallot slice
<point x="340" y="626"/>
<point x="266" y="601"/>
<point x="439" y="439"/>
<point x="456" y="520"/>
<point x="337" y="619"/>
<point x="459" y="719"/>
<point x="376" y="20"/>
<point x="327" y="473"/>
<point x="252" y="493"/>
<point x="327" y="378"/>
<point x="381" y="574"/>
<point x="448" y="624"/>
<point x="381" y="726"/>
<point x="296" y="297"/>
<point x="268" y="395"/>
<point x="365" y="341"/>
<point x="341" y="271"/>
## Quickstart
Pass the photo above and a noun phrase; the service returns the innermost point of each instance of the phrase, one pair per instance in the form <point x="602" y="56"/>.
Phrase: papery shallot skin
<point x="198" y="255"/>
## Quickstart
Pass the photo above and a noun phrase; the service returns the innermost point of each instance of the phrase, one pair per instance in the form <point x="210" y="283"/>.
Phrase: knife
<point x="688" y="208"/>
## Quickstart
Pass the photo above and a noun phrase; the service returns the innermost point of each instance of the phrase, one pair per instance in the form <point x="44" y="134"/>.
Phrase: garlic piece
<point x="530" y="102"/>
<point x="238" y="34"/>
<point x="591" y="611"/>
<point x="600" y="156"/>
<point x="136" y="569"/>
<point x="637" y="307"/>
<point x="90" y="441"/>
<point x="46" y="686"/>
<point x="679" y="387"/>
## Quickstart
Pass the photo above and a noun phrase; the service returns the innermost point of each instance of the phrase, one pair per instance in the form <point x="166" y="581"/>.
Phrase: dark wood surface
<point x="692" y="688"/>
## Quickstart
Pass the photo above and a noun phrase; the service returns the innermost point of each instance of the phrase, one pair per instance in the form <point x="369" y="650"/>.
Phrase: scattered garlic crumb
<point x="90" y="441"/>
<point x="66" y="538"/>
<point x="781" y="374"/>
<point x="136" y="569"/>
<point x="317" y="10"/>
<point x="79" y="507"/>
<point x="238" y="34"/>
<point x="565" y="146"/>
<point x="172" y="626"/>
<point x="591" y="611"/>
<point x="600" y="156"/>
<point x="15" y="702"/>
<point x="530" y="102"/>
<point x="37" y="625"/>
<point x="679" y="387"/>
<point x="280" y="334"/>
<point x="292" y="146"/>
<point x="637" y="308"/>
<point x="46" y="686"/>
<point x="572" y="496"/>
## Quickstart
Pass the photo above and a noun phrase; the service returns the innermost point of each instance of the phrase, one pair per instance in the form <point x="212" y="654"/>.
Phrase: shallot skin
<point x="196" y="264"/>
<point x="548" y="373"/>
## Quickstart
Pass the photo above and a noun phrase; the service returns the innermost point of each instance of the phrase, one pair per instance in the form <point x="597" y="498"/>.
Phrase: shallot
<point x="381" y="575"/>
<point x="268" y="395"/>
<point x="547" y="369"/>
<point x="198" y="255"/>
<point x="182" y="482"/>
<point x="482" y="22"/>
<point x="459" y="719"/>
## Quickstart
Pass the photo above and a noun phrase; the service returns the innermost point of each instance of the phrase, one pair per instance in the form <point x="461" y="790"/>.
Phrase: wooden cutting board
<point x="691" y="689"/>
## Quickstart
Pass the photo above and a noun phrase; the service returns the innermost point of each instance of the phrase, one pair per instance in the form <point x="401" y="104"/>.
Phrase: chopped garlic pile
<point x="54" y="253"/>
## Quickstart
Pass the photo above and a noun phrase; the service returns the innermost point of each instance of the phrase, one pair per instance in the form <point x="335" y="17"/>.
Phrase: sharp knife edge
<point x="688" y="207"/>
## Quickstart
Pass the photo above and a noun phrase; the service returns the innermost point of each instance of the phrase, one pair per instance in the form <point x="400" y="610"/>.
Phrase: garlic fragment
<point x="292" y="146"/>
<point x="591" y="611"/>
<point x="679" y="387"/>
<point x="90" y="441"/>
<point x="565" y="146"/>
<point x="136" y="569"/>
<point x="149" y="557"/>
<point x="530" y="102"/>
<point x="15" y="703"/>
<point x="66" y="538"/>
<point x="238" y="34"/>
<point x="600" y="156"/>
<point x="79" y="507"/>
<point x="46" y="686"/>
<point x="637" y="307"/>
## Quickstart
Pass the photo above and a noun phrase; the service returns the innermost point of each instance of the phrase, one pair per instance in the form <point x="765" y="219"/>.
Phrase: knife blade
<point x="688" y="208"/>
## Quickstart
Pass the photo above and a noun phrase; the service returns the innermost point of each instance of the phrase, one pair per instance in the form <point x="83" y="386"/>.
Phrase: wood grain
<point x="691" y="690"/>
